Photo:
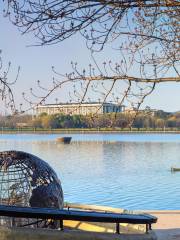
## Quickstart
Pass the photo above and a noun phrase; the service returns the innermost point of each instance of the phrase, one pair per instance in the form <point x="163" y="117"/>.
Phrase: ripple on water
<point x="121" y="170"/>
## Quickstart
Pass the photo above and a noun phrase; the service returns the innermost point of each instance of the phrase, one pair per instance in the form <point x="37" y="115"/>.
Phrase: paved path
<point x="168" y="225"/>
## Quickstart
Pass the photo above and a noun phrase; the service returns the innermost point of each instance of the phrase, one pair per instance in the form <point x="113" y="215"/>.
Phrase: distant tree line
<point x="155" y="120"/>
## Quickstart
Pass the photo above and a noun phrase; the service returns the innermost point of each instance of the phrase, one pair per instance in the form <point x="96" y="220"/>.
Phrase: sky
<point x="36" y="62"/>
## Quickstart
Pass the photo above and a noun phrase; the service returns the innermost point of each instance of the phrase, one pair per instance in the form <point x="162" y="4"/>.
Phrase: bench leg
<point x="147" y="228"/>
<point x="150" y="227"/>
<point x="61" y="225"/>
<point x="117" y="228"/>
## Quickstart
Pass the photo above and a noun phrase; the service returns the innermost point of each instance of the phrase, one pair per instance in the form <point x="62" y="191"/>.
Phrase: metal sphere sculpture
<point x="26" y="180"/>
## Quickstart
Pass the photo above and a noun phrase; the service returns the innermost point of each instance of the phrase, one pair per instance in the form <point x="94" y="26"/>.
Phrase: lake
<point x="130" y="171"/>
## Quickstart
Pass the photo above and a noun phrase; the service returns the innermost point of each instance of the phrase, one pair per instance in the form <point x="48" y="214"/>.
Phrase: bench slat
<point x="57" y="214"/>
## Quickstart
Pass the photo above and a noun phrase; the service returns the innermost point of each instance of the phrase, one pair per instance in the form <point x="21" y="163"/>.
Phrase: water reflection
<point x="133" y="175"/>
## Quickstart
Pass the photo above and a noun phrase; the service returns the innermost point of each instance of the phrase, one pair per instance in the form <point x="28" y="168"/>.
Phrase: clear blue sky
<point x="36" y="62"/>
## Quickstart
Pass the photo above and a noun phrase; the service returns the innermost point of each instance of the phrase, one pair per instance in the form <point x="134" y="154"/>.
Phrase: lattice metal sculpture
<point x="26" y="180"/>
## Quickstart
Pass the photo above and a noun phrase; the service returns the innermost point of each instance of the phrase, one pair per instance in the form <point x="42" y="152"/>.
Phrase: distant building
<point x="79" y="109"/>
<point x="130" y="111"/>
<point x="146" y="110"/>
<point x="22" y="125"/>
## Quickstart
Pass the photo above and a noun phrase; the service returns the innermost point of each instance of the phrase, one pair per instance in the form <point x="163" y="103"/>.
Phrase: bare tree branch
<point x="6" y="94"/>
<point x="145" y="34"/>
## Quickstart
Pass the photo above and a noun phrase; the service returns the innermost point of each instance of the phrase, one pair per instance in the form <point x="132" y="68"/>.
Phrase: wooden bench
<point x="89" y="216"/>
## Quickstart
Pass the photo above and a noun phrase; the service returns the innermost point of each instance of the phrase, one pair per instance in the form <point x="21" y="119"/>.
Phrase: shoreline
<point x="86" y="131"/>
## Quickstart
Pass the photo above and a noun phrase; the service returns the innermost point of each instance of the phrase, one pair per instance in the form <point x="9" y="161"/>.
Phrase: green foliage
<point x="157" y="120"/>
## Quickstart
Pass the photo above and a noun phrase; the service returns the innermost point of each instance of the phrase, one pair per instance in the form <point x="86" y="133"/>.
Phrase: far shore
<point x="87" y="131"/>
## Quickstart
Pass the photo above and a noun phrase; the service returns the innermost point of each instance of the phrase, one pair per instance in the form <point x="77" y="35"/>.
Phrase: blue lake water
<point x="130" y="171"/>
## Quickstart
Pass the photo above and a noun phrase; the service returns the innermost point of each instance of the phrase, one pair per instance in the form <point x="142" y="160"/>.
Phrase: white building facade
<point x="79" y="109"/>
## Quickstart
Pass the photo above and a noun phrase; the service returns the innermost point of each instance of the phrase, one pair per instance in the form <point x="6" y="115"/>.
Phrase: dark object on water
<point x="173" y="169"/>
<point x="65" y="140"/>
<point x="27" y="181"/>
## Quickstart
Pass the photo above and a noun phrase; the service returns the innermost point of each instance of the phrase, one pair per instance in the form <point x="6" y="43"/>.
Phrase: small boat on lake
<point x="174" y="169"/>
<point x="65" y="140"/>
